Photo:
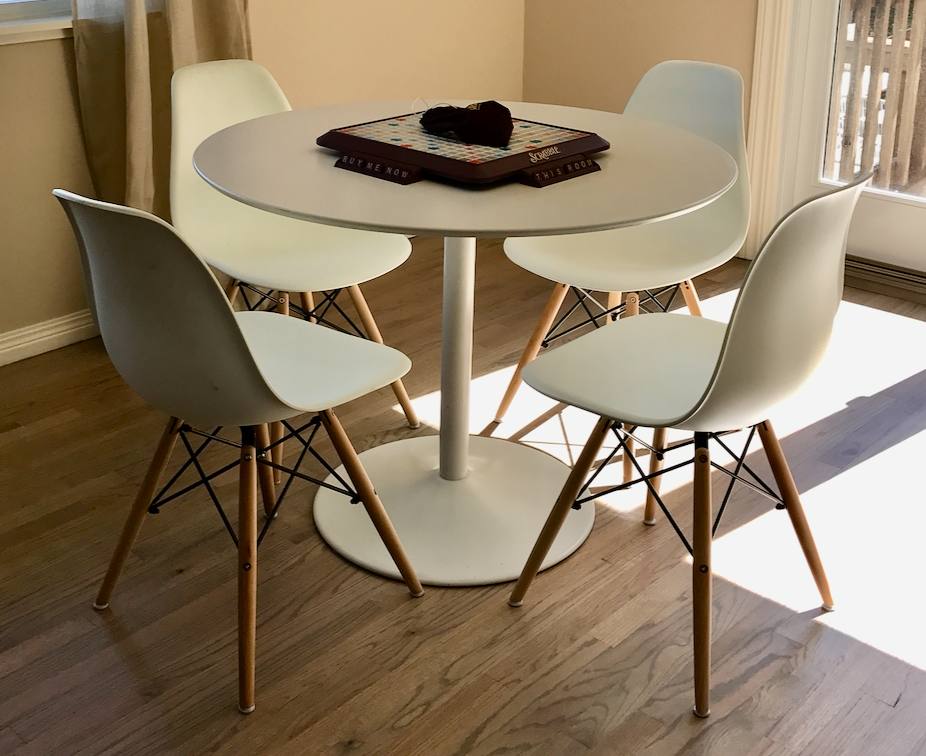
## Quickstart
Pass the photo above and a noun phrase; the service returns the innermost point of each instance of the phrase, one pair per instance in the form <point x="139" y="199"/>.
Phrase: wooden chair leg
<point x="655" y="465"/>
<point x="533" y="346"/>
<point x="614" y="300"/>
<point x="231" y="290"/>
<point x="632" y="300"/>
<point x="308" y="303"/>
<point x="370" y="500"/>
<point x="691" y="297"/>
<point x="701" y="575"/>
<point x="560" y="510"/>
<point x="265" y="473"/>
<point x="139" y="509"/>
<point x="247" y="570"/>
<point x="283" y="302"/>
<point x="629" y="452"/>
<point x="631" y="308"/>
<point x="369" y="325"/>
<point x="792" y="499"/>
<point x="276" y="429"/>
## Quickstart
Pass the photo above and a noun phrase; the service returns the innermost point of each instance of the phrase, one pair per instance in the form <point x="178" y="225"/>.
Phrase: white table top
<point x="466" y="509"/>
<point x="650" y="172"/>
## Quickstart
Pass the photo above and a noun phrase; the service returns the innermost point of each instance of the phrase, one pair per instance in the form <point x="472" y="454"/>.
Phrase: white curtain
<point x="126" y="52"/>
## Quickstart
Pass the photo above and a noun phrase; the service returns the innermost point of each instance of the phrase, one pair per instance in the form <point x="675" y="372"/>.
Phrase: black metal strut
<point x="305" y="435"/>
<point x="736" y="475"/>
<point x="271" y="298"/>
<point x="656" y="300"/>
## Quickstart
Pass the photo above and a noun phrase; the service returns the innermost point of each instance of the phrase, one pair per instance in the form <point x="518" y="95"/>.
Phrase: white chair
<point x="708" y="377"/>
<point x="656" y="258"/>
<point x="256" y="248"/>
<point x="173" y="336"/>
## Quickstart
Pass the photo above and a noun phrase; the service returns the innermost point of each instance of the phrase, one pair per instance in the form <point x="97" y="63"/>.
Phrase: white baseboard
<point x="43" y="337"/>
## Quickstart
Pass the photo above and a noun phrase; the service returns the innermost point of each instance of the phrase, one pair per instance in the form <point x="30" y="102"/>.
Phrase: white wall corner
<point x="44" y="337"/>
<point x="767" y="117"/>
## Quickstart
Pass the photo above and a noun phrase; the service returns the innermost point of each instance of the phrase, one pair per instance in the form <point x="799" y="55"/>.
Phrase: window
<point x="33" y="10"/>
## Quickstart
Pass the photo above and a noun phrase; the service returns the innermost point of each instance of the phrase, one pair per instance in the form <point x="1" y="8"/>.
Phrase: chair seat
<point x="286" y="254"/>
<point x="636" y="258"/>
<point x="694" y="374"/>
<point x="313" y="368"/>
<point x="664" y="387"/>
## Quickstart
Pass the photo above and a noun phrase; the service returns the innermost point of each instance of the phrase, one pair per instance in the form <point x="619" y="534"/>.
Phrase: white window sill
<point x="35" y="30"/>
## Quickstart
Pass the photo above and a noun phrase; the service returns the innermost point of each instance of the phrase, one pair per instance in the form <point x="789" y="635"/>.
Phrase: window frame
<point x="35" y="11"/>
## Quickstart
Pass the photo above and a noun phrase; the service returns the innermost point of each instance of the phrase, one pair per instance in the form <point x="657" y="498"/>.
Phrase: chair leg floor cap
<point x="828" y="608"/>
<point x="697" y="713"/>
<point x="247" y="710"/>
<point x="515" y="603"/>
<point x="100" y="607"/>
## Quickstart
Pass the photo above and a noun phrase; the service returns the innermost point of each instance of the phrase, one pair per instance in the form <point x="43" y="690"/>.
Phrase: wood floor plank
<point x="843" y="670"/>
<point x="10" y="742"/>
<point x="596" y="662"/>
<point x="868" y="715"/>
<point x="459" y="729"/>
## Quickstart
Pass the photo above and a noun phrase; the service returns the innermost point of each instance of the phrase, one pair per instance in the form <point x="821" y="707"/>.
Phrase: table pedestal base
<point x="474" y="531"/>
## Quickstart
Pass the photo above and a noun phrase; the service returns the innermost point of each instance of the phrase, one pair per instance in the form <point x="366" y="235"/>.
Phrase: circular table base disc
<point x="475" y="531"/>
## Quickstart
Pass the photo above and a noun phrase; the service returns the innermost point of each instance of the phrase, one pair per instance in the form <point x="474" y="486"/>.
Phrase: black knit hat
<point x="487" y="123"/>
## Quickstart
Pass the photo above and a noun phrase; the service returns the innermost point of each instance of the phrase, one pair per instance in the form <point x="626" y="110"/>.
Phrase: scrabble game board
<point x="399" y="149"/>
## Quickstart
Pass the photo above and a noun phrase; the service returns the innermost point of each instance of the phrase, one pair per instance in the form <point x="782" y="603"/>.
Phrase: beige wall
<point x="322" y="51"/>
<point x="582" y="52"/>
<point x="40" y="149"/>
<point x="591" y="53"/>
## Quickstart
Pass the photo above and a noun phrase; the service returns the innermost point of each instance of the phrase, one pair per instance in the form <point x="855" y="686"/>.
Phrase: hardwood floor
<point x="597" y="661"/>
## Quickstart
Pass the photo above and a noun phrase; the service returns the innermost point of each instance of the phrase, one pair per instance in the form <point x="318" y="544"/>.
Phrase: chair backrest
<point x="165" y="321"/>
<point x="206" y="98"/>
<point x="704" y="99"/>
<point x="783" y="317"/>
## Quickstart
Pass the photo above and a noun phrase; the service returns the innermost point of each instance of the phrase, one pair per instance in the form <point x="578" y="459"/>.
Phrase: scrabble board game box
<point x="399" y="149"/>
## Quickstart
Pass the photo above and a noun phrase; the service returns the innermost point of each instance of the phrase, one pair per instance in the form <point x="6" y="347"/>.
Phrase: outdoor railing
<point x="878" y="105"/>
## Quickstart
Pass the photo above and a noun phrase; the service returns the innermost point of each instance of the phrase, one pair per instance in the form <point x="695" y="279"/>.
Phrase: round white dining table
<point x="467" y="508"/>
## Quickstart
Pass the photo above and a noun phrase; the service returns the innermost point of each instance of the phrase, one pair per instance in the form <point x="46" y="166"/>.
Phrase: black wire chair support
<point x="738" y="474"/>
<point x="255" y="298"/>
<point x="305" y="435"/>
<point x="558" y="329"/>
<point x="319" y="312"/>
<point x="657" y="300"/>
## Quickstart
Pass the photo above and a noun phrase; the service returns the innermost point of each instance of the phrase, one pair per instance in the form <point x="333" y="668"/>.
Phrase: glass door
<point x="877" y="115"/>
<point x="860" y="96"/>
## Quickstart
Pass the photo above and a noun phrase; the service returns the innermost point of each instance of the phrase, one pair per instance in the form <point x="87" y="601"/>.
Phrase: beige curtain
<point x="126" y="52"/>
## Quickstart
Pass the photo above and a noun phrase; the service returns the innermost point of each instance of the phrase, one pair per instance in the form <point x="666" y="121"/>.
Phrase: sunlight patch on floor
<point x="869" y="520"/>
<point x="869" y="523"/>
